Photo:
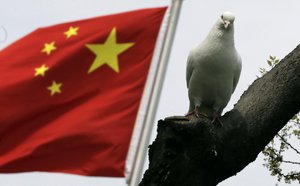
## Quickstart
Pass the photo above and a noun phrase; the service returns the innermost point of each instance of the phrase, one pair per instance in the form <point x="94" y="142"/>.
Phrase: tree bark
<point x="193" y="152"/>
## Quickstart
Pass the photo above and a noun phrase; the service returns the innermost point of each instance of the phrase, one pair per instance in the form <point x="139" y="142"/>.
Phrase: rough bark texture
<point x="194" y="152"/>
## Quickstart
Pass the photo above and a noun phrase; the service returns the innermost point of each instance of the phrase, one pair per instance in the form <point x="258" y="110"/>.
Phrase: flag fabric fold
<point x="70" y="93"/>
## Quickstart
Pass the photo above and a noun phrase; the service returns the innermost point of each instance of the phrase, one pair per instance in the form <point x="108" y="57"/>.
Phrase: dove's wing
<point x="237" y="73"/>
<point x="189" y="70"/>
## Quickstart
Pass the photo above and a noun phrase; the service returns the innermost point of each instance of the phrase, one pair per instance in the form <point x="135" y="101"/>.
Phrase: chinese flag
<point x="70" y="93"/>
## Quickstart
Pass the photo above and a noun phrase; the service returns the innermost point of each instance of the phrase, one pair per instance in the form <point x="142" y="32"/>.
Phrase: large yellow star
<point x="49" y="47"/>
<point x="54" y="88"/>
<point x="71" y="32"/>
<point x="40" y="71"/>
<point x="108" y="52"/>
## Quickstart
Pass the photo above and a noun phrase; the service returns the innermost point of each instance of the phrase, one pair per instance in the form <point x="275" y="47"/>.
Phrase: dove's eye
<point x="221" y="16"/>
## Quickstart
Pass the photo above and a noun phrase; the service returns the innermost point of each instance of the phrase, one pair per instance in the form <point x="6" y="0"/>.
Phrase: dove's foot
<point x="189" y="113"/>
<point x="216" y="119"/>
<point x="197" y="113"/>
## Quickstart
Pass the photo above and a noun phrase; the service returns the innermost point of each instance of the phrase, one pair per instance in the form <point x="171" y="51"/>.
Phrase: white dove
<point x="213" y="70"/>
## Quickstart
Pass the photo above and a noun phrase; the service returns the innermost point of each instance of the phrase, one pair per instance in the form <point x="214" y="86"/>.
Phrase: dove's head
<point x="227" y="19"/>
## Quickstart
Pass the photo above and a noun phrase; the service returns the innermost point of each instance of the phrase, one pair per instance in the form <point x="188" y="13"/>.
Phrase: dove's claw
<point x="216" y="119"/>
<point x="196" y="113"/>
<point x="190" y="113"/>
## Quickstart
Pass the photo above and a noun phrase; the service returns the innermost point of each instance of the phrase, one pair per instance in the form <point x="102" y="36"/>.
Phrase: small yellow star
<point x="55" y="88"/>
<point x="49" y="47"/>
<point x="107" y="53"/>
<point x="40" y="71"/>
<point x="71" y="32"/>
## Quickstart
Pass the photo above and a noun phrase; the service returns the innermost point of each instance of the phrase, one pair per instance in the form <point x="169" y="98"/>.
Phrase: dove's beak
<point x="226" y="23"/>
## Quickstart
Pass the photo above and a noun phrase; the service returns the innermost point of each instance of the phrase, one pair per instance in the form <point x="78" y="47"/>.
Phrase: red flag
<point x="69" y="93"/>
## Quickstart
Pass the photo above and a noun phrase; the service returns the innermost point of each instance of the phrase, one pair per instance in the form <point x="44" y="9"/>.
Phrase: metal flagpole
<point x="141" y="153"/>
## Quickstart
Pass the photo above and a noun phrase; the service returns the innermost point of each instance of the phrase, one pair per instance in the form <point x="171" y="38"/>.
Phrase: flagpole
<point x="138" y="164"/>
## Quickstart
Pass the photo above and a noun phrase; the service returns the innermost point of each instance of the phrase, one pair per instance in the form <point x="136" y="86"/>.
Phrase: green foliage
<point x="276" y="158"/>
<point x="272" y="62"/>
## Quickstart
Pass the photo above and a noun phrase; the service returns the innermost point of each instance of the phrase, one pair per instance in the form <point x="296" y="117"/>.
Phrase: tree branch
<point x="193" y="152"/>
<point x="288" y="144"/>
<point x="291" y="162"/>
